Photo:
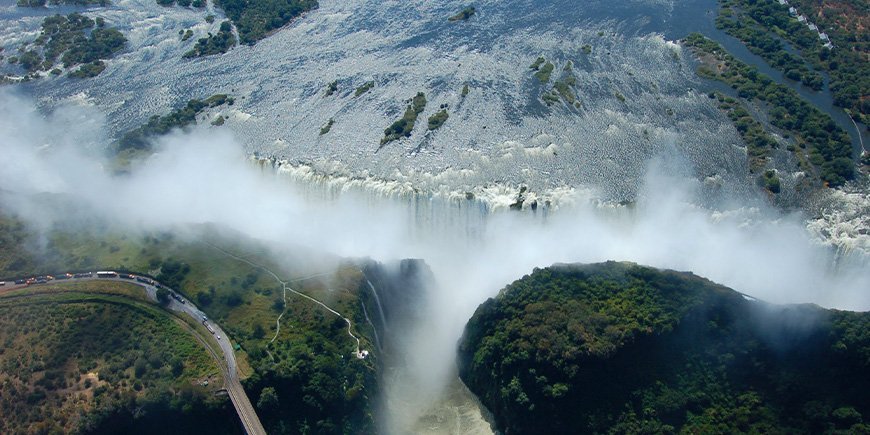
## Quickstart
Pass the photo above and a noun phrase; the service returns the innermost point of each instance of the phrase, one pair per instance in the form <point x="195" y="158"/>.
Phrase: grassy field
<point x="245" y="300"/>
<point x="79" y="357"/>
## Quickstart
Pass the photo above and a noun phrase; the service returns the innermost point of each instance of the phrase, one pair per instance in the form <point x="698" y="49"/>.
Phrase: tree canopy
<point x="621" y="348"/>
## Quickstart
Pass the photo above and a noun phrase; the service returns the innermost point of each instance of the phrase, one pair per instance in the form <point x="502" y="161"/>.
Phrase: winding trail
<point x="858" y="129"/>
<point x="359" y="353"/>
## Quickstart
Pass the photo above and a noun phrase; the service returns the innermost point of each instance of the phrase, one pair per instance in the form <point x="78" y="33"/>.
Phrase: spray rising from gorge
<point x="203" y="177"/>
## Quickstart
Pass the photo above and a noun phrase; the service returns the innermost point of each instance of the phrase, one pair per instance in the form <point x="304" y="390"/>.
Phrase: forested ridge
<point x="621" y="348"/>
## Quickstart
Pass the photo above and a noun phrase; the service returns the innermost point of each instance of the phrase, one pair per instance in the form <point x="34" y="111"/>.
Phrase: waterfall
<point x="374" y="328"/>
<point x="380" y="307"/>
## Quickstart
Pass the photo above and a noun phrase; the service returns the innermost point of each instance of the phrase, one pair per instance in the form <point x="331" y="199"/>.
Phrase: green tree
<point x="268" y="399"/>
<point x="258" y="331"/>
<point x="163" y="296"/>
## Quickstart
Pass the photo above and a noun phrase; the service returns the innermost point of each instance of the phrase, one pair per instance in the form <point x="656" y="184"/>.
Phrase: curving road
<point x="232" y="383"/>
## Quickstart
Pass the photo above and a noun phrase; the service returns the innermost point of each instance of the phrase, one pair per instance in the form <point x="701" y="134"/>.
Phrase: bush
<point x="163" y="296"/>
<point x="404" y="126"/>
<point x="234" y="299"/>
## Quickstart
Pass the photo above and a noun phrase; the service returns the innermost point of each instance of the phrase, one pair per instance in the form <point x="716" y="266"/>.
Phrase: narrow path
<point x="858" y="129"/>
<point x="359" y="353"/>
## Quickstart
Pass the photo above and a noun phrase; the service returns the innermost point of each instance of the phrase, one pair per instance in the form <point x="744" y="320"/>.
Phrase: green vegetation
<point x="367" y="86"/>
<point x="319" y="384"/>
<point x="565" y="84"/>
<point x="325" y="129"/>
<point x="766" y="44"/>
<point x="41" y="3"/>
<point x="331" y="88"/>
<point x="463" y="15"/>
<point x="86" y="359"/>
<point x="542" y="73"/>
<point x="438" y="119"/>
<point x="88" y="70"/>
<point x="187" y="34"/>
<point x="403" y="127"/>
<point x="824" y="144"/>
<point x="254" y="20"/>
<point x="219" y="120"/>
<point x="621" y="348"/>
<point x="199" y="4"/>
<point x="550" y="98"/>
<point x="465" y="90"/>
<point x="73" y="40"/>
<point x="140" y="138"/>
<point x="770" y="181"/>
<point x="562" y="89"/>
<point x="763" y="25"/>
<point x="619" y="96"/>
<point x="587" y="49"/>
<point x="214" y="44"/>
<point x="758" y="142"/>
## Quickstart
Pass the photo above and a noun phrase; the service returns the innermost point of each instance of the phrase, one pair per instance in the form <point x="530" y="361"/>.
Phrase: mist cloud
<point x="204" y="177"/>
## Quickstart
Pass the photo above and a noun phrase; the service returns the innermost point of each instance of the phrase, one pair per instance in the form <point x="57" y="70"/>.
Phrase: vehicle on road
<point x="19" y="281"/>
<point x="83" y="275"/>
<point x="218" y="337"/>
<point x="107" y="274"/>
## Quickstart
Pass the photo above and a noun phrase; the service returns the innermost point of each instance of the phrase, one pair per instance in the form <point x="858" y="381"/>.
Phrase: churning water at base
<point x="582" y="175"/>
<point x="475" y="245"/>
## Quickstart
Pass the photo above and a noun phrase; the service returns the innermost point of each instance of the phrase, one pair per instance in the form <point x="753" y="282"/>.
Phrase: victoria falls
<point x="524" y="216"/>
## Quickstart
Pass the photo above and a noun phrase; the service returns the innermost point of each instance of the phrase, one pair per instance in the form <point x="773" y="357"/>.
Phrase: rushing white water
<point x="475" y="246"/>
<point x="474" y="249"/>
<point x="646" y="169"/>
<point x="380" y="307"/>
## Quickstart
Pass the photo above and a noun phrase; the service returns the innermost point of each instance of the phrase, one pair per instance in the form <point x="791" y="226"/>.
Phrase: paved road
<point x="246" y="412"/>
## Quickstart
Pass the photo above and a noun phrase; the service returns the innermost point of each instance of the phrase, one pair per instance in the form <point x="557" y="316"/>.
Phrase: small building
<point x="828" y="45"/>
<point x="792" y="11"/>
<point x="802" y="18"/>
<point x="824" y="36"/>
<point x="813" y="27"/>
<point x="783" y="2"/>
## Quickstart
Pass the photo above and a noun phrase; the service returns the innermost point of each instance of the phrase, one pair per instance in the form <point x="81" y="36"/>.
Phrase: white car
<point x="219" y="337"/>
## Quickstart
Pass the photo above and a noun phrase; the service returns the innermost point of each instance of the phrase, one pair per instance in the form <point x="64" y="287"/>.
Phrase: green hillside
<point x="621" y="348"/>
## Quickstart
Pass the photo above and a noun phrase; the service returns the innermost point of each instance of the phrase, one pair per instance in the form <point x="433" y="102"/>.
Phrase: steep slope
<point x="618" y="347"/>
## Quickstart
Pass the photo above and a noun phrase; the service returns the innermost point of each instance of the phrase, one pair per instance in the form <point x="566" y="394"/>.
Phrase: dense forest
<point x="759" y="143"/>
<point x="73" y="40"/>
<point x="823" y="148"/>
<point x="768" y="30"/>
<point x="741" y="20"/>
<point x="256" y="19"/>
<point x="621" y="348"/>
